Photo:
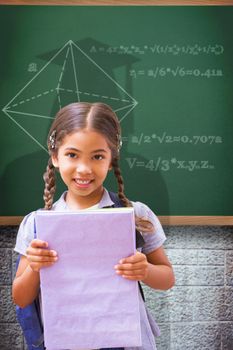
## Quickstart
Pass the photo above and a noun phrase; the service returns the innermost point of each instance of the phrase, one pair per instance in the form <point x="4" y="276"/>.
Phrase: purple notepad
<point x="85" y="304"/>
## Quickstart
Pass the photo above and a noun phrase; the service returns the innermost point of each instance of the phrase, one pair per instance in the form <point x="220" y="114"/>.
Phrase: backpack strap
<point x="139" y="239"/>
<point x="118" y="204"/>
<point x="29" y="319"/>
<point x="30" y="322"/>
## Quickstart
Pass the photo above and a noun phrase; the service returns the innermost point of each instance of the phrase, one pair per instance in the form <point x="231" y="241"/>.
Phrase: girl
<point x="84" y="145"/>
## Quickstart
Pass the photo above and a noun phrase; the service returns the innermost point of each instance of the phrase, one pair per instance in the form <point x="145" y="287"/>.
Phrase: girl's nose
<point x="83" y="168"/>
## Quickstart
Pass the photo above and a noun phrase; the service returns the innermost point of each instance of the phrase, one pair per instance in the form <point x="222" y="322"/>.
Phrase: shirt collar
<point x="61" y="205"/>
<point x="105" y="200"/>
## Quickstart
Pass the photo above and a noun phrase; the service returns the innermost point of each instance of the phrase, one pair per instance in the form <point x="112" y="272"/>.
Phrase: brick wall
<point x="197" y="314"/>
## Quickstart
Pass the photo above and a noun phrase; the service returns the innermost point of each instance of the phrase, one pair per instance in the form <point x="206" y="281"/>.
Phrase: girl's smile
<point x="82" y="183"/>
<point x="83" y="160"/>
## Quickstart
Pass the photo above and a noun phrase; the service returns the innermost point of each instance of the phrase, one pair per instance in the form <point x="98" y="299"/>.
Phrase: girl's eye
<point x="71" y="155"/>
<point x="98" y="157"/>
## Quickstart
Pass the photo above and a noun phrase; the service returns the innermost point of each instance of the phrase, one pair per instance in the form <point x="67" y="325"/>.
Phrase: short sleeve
<point x="155" y="239"/>
<point x="25" y="233"/>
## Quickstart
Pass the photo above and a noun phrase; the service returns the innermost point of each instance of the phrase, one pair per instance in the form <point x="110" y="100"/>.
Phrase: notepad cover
<point x="85" y="304"/>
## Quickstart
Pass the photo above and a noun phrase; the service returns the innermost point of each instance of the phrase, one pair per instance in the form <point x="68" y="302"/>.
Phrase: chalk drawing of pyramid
<point x="69" y="76"/>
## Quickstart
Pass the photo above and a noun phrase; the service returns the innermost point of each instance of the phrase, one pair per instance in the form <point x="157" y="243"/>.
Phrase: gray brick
<point x="194" y="237"/>
<point x="213" y="303"/>
<point x="196" y="256"/>
<point x="229" y="268"/>
<point x="211" y="257"/>
<point x="7" y="309"/>
<point x="180" y="312"/>
<point x="171" y="306"/>
<point x="163" y="341"/>
<point x="10" y="337"/>
<point x="227" y="335"/>
<point x="8" y="236"/>
<point x="199" y="275"/>
<point x="181" y="308"/>
<point x="158" y="304"/>
<point x="182" y="294"/>
<point x="227" y="306"/>
<point x="182" y="256"/>
<point x="195" y="336"/>
<point x="5" y="266"/>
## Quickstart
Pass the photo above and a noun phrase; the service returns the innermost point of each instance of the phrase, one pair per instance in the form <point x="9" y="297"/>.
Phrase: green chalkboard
<point x="166" y="71"/>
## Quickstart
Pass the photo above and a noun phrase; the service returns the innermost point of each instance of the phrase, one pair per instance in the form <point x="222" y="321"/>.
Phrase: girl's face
<point x="83" y="159"/>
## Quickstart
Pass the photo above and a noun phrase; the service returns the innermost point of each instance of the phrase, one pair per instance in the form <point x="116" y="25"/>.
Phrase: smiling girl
<point x="84" y="145"/>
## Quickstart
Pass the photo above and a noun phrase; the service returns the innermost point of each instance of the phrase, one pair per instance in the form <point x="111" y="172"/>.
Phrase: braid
<point x="120" y="183"/>
<point x="50" y="185"/>
<point x="142" y="224"/>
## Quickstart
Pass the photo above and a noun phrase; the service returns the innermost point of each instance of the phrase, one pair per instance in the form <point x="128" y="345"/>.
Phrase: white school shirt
<point x="153" y="241"/>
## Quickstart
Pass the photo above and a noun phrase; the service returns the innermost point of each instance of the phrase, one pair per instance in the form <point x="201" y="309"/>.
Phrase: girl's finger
<point x="39" y="251"/>
<point x="38" y="243"/>
<point x="41" y="259"/>
<point x="137" y="257"/>
<point x="131" y="273"/>
<point x="134" y="266"/>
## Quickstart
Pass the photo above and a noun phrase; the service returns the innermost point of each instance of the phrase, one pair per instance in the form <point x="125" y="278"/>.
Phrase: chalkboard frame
<point x="119" y="2"/>
<point x="165" y="220"/>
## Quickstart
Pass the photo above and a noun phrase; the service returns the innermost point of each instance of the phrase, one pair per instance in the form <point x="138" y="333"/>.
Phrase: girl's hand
<point x="39" y="256"/>
<point x="135" y="267"/>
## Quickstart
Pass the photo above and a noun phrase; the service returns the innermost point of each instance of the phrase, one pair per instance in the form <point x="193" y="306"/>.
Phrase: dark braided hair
<point x="100" y="118"/>
<point x="142" y="224"/>
<point x="50" y="185"/>
<point x="120" y="182"/>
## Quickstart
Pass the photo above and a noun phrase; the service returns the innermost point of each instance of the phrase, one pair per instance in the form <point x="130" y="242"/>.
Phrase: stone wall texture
<point x="196" y="314"/>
